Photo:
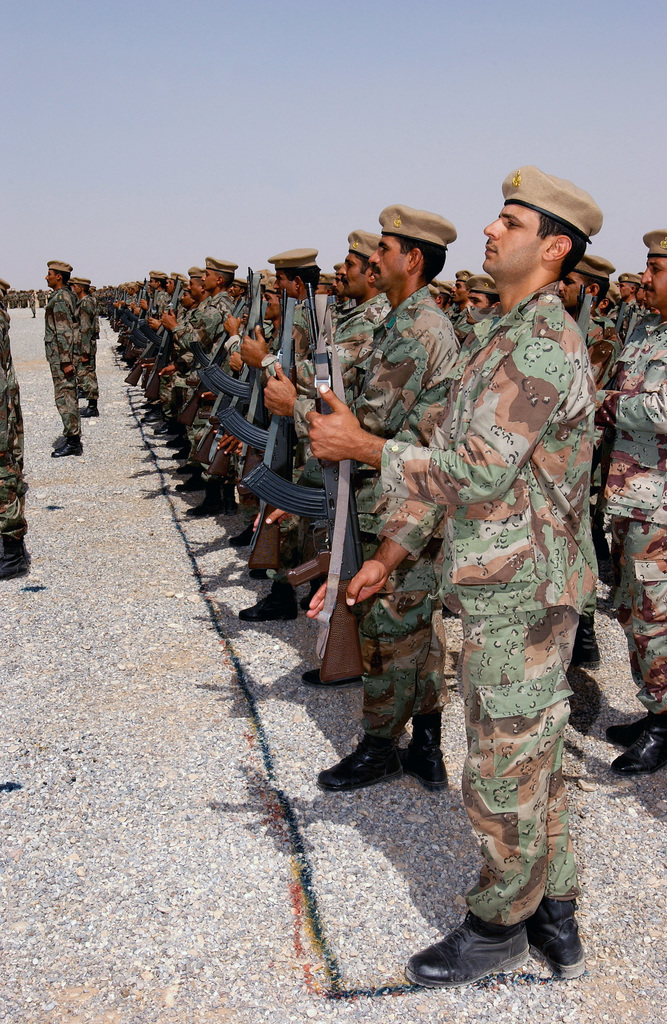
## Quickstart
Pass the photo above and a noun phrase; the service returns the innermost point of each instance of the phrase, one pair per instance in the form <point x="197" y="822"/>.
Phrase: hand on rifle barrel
<point x="338" y="435"/>
<point x="231" y="325"/>
<point x="154" y="323"/>
<point x="230" y="444"/>
<point x="371" y="577"/>
<point x="235" y="361"/>
<point x="280" y="394"/>
<point x="169" y="320"/>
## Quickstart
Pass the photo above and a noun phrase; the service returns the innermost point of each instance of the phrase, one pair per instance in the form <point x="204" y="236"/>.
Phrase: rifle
<point x="164" y="349"/>
<point x="334" y="506"/>
<point x="278" y="456"/>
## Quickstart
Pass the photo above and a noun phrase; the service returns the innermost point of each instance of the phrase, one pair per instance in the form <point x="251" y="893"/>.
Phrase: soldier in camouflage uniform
<point x="13" y="558"/>
<point x="394" y="394"/>
<point x="636" y="496"/>
<point x="86" y="312"/>
<point x="510" y="465"/>
<point x="458" y="311"/>
<point x="61" y="338"/>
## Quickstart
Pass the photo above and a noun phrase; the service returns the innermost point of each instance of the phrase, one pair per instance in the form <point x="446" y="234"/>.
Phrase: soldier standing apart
<point x="61" y="341"/>
<point x="636" y="497"/>
<point x="510" y="464"/>
<point x="14" y="558"/>
<point x="86" y="315"/>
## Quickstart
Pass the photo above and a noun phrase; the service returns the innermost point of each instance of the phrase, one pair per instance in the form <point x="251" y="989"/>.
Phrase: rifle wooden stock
<point x="153" y="385"/>
<point x="342" y="654"/>
<point x="134" y="376"/>
<point x="188" y="412"/>
<point x="265" y="553"/>
<point x="252" y="459"/>
<point x="318" y="566"/>
<point x="220" y="463"/>
<point x="147" y="367"/>
<point x="203" y="448"/>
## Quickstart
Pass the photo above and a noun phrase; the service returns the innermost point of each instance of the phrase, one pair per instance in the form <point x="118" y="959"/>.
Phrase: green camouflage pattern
<point x="61" y="343"/>
<point x="516" y="707"/>
<point x="12" y="487"/>
<point x="509" y="465"/>
<point x="604" y="347"/>
<point x="87" y="348"/>
<point x="639" y="555"/>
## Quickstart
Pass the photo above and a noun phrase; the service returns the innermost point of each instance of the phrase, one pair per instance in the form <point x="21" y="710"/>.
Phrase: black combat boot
<point x="14" y="560"/>
<point x="553" y="934"/>
<point x="153" y="415"/>
<point x="212" y="503"/>
<point x="242" y="539"/>
<point x="422" y="759"/>
<point x="473" y="950"/>
<point x="648" y="753"/>
<point x="229" y="506"/>
<point x="72" y="446"/>
<point x="279" y="603"/>
<point x="625" y="735"/>
<point x="90" y="410"/>
<point x="374" y="760"/>
<point x="601" y="544"/>
<point x="195" y="483"/>
<point x="585" y="653"/>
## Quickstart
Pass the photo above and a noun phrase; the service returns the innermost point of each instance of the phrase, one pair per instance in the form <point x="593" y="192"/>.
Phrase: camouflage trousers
<point x="86" y="374"/>
<point x="516" y="707"/>
<point x="639" y="554"/>
<point x="402" y="653"/>
<point x="12" y="487"/>
<point x="67" y="404"/>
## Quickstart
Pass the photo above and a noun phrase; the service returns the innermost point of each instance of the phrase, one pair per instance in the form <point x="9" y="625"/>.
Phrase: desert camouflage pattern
<point x="223" y="302"/>
<point x="205" y="325"/>
<point x="87" y="348"/>
<point x="513" y="787"/>
<point x="638" y="470"/>
<point x="353" y="337"/>
<point x="159" y="302"/>
<point x="639" y="555"/>
<point x="12" y="487"/>
<point x="510" y="465"/>
<point x="60" y="342"/>
<point x="604" y="347"/>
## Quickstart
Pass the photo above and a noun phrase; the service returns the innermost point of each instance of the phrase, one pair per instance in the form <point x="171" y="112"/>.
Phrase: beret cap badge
<point x="516" y="180"/>
<point x="397" y="222"/>
<point x="663" y="244"/>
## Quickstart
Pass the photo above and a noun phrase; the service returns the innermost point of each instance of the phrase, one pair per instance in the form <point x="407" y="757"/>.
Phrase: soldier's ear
<point x="557" y="249"/>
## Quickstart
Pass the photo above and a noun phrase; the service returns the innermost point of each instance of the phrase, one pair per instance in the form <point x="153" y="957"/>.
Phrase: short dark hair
<point x="434" y="255"/>
<point x="309" y="275"/>
<point x="227" y="277"/>
<point x="601" y="282"/>
<point x="65" y="274"/>
<point x="547" y="227"/>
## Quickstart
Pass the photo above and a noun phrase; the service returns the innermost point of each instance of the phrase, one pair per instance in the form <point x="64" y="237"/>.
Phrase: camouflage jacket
<point x="510" y="464"/>
<point x="86" y="314"/>
<point x="399" y="387"/>
<point x="159" y="302"/>
<point x="204" y="325"/>
<point x="61" y="331"/>
<point x="353" y="338"/>
<point x="637" y="481"/>
<point x="222" y="302"/>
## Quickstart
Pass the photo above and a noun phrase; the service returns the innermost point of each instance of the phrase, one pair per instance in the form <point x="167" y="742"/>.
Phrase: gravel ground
<point x="166" y="854"/>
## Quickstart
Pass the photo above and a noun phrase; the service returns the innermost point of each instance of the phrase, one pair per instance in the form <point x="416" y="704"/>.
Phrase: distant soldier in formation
<point x="14" y="558"/>
<point x="61" y="341"/>
<point x="86" y="375"/>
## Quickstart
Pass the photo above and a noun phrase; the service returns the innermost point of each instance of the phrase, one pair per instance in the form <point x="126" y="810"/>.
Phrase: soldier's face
<point x="627" y="290"/>
<point x="654" y="281"/>
<point x="210" y="280"/>
<point x="569" y="288"/>
<point x="272" y="305"/>
<point x="479" y="300"/>
<point x="197" y="289"/>
<point x="52" y="278"/>
<point x="388" y="264"/>
<point x="513" y="250"/>
<point x="283" y="284"/>
<point x="461" y="293"/>
<point x="355" y="279"/>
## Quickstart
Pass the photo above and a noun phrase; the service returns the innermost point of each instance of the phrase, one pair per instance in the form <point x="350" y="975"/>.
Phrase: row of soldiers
<point x="467" y="446"/>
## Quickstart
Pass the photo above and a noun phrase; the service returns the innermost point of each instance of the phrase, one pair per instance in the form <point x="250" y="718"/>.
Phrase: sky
<point x="143" y="136"/>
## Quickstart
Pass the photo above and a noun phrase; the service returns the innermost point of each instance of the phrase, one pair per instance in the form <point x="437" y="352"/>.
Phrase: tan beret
<point x="614" y="293"/>
<point x="241" y="282"/>
<point x="463" y="275"/>
<point x="294" y="259"/>
<point x="433" y="290"/>
<point x="629" y="279"/>
<point x="555" y="197"/>
<point x="326" y="278"/>
<point x="595" y="266"/>
<point x="220" y="266"/>
<point x="59" y="267"/>
<point x="159" y="274"/>
<point x="196" y="272"/>
<point x="417" y="225"/>
<point x="363" y="243"/>
<point x="79" y="280"/>
<point x="4" y="285"/>
<point x="482" y="283"/>
<point x="175" y="276"/>
<point x="338" y="266"/>
<point x="446" y="287"/>
<point x="269" y="282"/>
<point x="656" y="241"/>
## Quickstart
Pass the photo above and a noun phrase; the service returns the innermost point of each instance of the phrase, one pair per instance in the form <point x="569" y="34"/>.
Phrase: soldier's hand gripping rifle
<point x="189" y="411"/>
<point x="335" y="507"/>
